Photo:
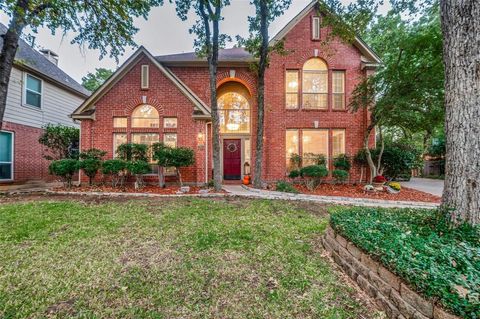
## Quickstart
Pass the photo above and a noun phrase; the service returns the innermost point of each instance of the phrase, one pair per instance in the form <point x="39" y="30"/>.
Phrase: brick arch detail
<point x="137" y="101"/>
<point x="308" y="55"/>
<point x="242" y="77"/>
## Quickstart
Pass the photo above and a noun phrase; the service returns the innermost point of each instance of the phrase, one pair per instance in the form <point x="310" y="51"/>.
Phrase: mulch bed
<point x="357" y="191"/>
<point x="150" y="189"/>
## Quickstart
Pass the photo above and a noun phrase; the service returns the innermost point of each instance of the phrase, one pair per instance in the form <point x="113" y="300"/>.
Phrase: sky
<point x="162" y="33"/>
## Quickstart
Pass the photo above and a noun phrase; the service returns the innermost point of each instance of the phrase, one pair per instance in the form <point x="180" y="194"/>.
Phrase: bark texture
<point x="461" y="51"/>
<point x="7" y="56"/>
<point x="262" y="65"/>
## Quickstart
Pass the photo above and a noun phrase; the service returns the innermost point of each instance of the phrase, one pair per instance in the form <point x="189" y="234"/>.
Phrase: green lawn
<point x="180" y="258"/>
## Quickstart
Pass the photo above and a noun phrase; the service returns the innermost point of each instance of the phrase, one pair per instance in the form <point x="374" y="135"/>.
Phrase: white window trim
<point x="165" y="118"/>
<point x="42" y="87"/>
<point x="13" y="159"/>
<point x="315" y="23"/>
<point x="145" y="74"/>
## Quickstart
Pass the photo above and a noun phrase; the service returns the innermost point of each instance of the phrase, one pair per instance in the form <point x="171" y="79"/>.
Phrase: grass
<point x="177" y="259"/>
<point x="419" y="245"/>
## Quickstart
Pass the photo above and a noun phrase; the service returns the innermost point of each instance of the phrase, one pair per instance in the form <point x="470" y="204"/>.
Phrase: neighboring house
<point x="39" y="93"/>
<point x="167" y="98"/>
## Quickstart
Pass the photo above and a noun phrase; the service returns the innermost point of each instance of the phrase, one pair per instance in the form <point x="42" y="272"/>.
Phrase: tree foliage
<point x="65" y="169"/>
<point x="60" y="141"/>
<point x="93" y="81"/>
<point x="90" y="162"/>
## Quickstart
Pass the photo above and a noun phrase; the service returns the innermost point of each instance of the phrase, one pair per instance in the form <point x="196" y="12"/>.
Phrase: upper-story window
<point x="234" y="113"/>
<point x="338" y="94"/>
<point x="145" y="116"/>
<point x="33" y="91"/>
<point x="315" y="84"/>
<point x="291" y="89"/>
<point x="119" y="122"/>
<point x="315" y="28"/>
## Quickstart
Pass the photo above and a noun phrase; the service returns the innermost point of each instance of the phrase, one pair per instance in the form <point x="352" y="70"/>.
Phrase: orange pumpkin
<point x="246" y="180"/>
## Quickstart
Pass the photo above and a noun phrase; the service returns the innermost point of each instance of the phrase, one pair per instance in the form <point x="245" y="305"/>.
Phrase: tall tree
<point x="106" y="25"/>
<point x="265" y="12"/>
<point x="93" y="81"/>
<point x="461" y="54"/>
<point x="208" y="42"/>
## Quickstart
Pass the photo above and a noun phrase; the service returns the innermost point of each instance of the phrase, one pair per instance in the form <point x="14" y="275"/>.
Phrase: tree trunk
<point x="257" y="178"/>
<point x="179" y="176"/>
<point x="161" y="176"/>
<point x="7" y="57"/>
<point x="371" y="164"/>
<point x="461" y="53"/>
<point x="380" y="154"/>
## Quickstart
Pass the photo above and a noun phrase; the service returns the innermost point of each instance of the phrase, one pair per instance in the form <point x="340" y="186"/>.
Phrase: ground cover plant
<point x="182" y="258"/>
<point x="419" y="245"/>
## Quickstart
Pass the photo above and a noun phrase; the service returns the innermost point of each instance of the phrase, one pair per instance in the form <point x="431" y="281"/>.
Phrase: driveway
<point x="427" y="185"/>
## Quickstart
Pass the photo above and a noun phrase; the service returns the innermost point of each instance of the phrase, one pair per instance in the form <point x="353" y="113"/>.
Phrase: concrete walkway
<point x="427" y="185"/>
<point x="239" y="190"/>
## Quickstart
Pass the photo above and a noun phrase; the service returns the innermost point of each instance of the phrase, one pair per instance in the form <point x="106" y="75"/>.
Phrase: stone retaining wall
<point x="389" y="291"/>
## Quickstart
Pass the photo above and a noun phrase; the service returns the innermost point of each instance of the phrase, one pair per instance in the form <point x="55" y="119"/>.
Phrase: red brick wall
<point x="338" y="56"/>
<point x="169" y="101"/>
<point x="29" y="163"/>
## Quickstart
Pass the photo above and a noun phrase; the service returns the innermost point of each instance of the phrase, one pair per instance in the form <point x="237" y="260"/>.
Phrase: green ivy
<point x="422" y="248"/>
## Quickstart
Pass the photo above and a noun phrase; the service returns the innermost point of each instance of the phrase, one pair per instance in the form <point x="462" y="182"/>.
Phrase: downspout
<point x="206" y="151"/>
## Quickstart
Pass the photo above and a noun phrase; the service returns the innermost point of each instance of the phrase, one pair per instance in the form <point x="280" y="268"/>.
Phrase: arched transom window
<point x="145" y="116"/>
<point x="315" y="84"/>
<point x="234" y="112"/>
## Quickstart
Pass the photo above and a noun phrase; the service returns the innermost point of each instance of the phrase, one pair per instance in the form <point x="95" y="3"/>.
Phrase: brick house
<point x="166" y="98"/>
<point x="39" y="93"/>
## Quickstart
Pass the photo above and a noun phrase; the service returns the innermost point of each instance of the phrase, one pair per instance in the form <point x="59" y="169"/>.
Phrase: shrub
<point x="91" y="162"/>
<point x="294" y="174"/>
<point x="379" y="179"/>
<point x="318" y="159"/>
<point x="312" y="175"/>
<point x="342" y="162"/>
<point x="286" y="187"/>
<point x="116" y="169"/>
<point x="340" y="175"/>
<point x="138" y="169"/>
<point x="173" y="156"/>
<point x="295" y="161"/>
<point x="61" y="141"/>
<point x="422" y="248"/>
<point x="65" y="169"/>
<point x="133" y="152"/>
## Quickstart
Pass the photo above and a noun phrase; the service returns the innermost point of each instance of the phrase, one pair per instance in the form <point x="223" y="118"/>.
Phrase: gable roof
<point x="31" y="60"/>
<point x="367" y="52"/>
<point x="87" y="109"/>
<point x="231" y="56"/>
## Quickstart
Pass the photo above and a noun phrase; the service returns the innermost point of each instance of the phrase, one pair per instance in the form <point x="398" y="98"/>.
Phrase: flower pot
<point x="378" y="186"/>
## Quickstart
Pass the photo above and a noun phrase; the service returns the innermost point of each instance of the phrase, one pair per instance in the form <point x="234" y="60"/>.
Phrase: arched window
<point x="234" y="109"/>
<point x="145" y="116"/>
<point x="315" y="84"/>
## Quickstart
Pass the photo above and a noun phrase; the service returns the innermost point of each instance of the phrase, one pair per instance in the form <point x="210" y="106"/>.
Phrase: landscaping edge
<point x="389" y="292"/>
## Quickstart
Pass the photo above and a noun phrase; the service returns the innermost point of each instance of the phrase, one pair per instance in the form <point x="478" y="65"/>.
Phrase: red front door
<point x="232" y="159"/>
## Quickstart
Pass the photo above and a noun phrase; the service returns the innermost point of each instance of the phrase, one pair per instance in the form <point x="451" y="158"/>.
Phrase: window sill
<point x="31" y="107"/>
<point x="340" y="110"/>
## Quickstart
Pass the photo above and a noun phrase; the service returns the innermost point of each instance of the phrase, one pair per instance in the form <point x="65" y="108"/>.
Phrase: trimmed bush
<point x="294" y="174"/>
<point x="342" y="162"/>
<point x="420" y="246"/>
<point x="312" y="175"/>
<point x="340" y="175"/>
<point x="285" y="187"/>
<point x="91" y="162"/>
<point x="133" y="152"/>
<point x="65" y="169"/>
<point x="138" y="169"/>
<point x="116" y="169"/>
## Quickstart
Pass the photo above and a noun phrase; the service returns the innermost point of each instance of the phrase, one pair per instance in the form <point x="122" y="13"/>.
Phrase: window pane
<point x="34" y="99"/>
<point x="119" y="122"/>
<point x="292" y="100"/>
<point x="234" y="121"/>
<point x="118" y="139"/>
<point x="5" y="171"/>
<point x="315" y="82"/>
<point x="338" y="142"/>
<point x="145" y="116"/>
<point x="34" y="84"/>
<point x="291" y="147"/>
<point x="315" y="64"/>
<point x="5" y="147"/>
<point x="292" y="82"/>
<point x="147" y="139"/>
<point x="338" y="101"/>
<point x="315" y="101"/>
<point x="247" y="151"/>
<point x="338" y="82"/>
<point x="170" y="122"/>
<point x="315" y="142"/>
<point x="170" y="139"/>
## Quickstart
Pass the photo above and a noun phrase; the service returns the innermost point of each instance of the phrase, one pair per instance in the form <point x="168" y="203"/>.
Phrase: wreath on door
<point x="232" y="147"/>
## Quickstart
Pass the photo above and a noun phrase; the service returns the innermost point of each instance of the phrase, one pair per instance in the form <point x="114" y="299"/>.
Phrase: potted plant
<point x="378" y="182"/>
<point x="394" y="187"/>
